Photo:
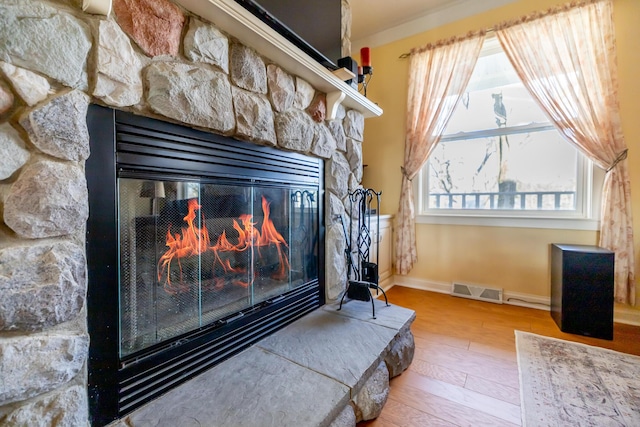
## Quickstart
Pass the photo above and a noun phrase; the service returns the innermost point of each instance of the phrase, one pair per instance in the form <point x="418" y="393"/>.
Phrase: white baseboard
<point x="621" y="314"/>
<point x="527" y="300"/>
<point x="425" y="285"/>
<point x="387" y="283"/>
<point x="626" y="315"/>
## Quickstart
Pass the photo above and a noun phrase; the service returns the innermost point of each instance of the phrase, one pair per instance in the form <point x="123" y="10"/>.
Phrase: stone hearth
<point x="55" y="61"/>
<point x="330" y="368"/>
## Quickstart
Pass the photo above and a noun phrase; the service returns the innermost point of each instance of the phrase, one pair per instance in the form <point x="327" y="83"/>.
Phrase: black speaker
<point x="582" y="289"/>
<point x="350" y="64"/>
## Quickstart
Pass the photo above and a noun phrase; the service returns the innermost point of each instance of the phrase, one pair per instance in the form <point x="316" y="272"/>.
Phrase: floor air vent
<point x="477" y="292"/>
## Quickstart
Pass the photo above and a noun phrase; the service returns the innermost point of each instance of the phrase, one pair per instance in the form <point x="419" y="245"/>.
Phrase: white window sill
<point x="510" y="221"/>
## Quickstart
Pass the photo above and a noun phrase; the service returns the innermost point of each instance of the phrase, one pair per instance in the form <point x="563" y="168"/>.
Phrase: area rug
<point x="570" y="384"/>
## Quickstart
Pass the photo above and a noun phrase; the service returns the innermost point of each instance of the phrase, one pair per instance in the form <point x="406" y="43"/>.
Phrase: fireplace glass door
<point x="193" y="253"/>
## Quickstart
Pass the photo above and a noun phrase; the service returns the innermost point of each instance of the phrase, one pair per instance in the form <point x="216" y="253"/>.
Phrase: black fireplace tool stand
<point x="365" y="272"/>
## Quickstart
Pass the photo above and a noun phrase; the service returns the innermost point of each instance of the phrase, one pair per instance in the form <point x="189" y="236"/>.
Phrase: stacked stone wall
<point x="152" y="58"/>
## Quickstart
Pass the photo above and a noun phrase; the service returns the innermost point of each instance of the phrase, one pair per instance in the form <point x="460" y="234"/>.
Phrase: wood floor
<point x="464" y="372"/>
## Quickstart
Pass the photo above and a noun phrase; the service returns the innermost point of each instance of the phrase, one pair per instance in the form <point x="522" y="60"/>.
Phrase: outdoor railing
<point x="521" y="200"/>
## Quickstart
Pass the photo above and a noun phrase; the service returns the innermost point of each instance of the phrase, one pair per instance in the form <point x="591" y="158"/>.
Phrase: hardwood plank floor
<point x="464" y="372"/>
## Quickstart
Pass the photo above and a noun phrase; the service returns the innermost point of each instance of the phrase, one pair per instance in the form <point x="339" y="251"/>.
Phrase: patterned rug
<point x="569" y="384"/>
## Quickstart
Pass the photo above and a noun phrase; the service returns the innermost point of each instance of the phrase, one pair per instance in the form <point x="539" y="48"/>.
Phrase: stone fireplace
<point x="218" y="243"/>
<point x="155" y="60"/>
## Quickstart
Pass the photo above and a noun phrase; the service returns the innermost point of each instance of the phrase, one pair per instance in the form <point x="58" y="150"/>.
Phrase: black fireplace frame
<point x="123" y="143"/>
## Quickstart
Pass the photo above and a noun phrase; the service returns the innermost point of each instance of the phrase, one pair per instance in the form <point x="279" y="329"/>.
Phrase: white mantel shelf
<point x="232" y="18"/>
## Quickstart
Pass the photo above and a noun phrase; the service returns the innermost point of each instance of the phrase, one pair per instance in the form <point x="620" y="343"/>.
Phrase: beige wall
<point x="516" y="259"/>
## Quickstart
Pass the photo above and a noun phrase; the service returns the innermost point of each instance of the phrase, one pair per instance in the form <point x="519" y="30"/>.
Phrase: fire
<point x="194" y="240"/>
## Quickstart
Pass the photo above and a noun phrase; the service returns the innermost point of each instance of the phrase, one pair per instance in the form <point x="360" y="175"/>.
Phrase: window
<point x="501" y="157"/>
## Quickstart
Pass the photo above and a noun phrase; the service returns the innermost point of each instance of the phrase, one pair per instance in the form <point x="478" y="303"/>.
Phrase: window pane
<point x="495" y="98"/>
<point x="500" y="152"/>
<point x="526" y="171"/>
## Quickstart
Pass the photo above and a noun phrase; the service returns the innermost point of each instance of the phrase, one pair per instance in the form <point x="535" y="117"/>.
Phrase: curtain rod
<point x="487" y="31"/>
<point x="535" y="15"/>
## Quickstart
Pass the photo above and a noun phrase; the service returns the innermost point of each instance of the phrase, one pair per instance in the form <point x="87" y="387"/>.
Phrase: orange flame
<point x="196" y="241"/>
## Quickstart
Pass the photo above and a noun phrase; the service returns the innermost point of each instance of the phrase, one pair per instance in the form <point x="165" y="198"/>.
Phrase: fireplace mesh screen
<point x="193" y="253"/>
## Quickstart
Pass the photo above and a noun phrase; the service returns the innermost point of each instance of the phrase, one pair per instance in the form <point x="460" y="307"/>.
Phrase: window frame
<point x="588" y="189"/>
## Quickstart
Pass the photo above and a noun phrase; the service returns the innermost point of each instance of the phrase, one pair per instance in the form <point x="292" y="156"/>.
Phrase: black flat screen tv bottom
<point x="314" y="26"/>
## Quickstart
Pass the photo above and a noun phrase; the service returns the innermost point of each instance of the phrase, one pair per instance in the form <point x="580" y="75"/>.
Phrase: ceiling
<point x="376" y="22"/>
<point x="372" y="16"/>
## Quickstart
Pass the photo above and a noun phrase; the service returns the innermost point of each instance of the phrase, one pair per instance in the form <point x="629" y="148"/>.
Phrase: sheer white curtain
<point x="567" y="60"/>
<point x="438" y="76"/>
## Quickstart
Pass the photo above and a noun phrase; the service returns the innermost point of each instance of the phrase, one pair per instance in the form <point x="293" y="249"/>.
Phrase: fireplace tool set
<point x="365" y="272"/>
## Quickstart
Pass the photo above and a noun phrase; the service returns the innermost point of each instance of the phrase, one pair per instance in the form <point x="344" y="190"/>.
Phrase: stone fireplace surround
<point x="55" y="61"/>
